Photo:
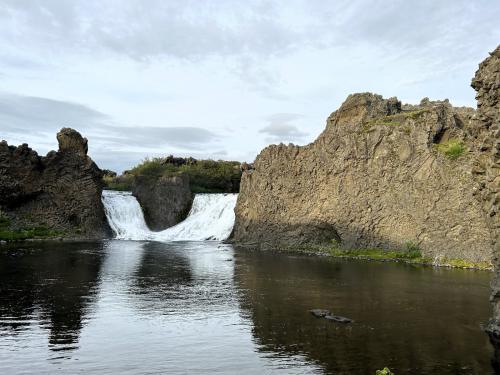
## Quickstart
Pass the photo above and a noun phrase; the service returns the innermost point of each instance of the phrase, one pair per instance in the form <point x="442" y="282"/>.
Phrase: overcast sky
<point x="222" y="79"/>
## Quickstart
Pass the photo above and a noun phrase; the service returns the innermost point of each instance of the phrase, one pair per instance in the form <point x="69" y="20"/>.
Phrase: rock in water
<point x="327" y="314"/>
<point x="319" y="313"/>
<point x="61" y="191"/>
<point x="165" y="201"/>
<point x="338" y="318"/>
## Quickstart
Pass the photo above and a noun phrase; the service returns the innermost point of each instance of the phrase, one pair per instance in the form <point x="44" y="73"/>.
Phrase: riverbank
<point x="412" y="256"/>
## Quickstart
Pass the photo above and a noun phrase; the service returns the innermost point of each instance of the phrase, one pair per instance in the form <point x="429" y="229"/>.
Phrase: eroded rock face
<point x="373" y="179"/>
<point x="165" y="201"/>
<point x="487" y="84"/>
<point x="61" y="191"/>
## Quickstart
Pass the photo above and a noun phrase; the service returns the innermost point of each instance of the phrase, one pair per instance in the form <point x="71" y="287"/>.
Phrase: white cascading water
<point x="211" y="218"/>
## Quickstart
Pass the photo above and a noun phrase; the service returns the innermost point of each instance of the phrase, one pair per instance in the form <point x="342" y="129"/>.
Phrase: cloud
<point x="187" y="29"/>
<point x="23" y="114"/>
<point x="280" y="129"/>
<point x="41" y="118"/>
<point x="182" y="136"/>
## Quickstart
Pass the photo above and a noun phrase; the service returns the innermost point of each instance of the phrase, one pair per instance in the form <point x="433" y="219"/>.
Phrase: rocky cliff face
<point x="165" y="201"/>
<point x="381" y="174"/>
<point x="61" y="191"/>
<point x="487" y="84"/>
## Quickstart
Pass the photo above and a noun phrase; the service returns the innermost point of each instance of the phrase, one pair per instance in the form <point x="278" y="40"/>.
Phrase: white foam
<point x="211" y="218"/>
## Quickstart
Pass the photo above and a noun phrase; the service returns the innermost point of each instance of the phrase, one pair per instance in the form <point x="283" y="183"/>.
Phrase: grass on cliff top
<point x="205" y="176"/>
<point x="453" y="148"/>
<point x="396" y="119"/>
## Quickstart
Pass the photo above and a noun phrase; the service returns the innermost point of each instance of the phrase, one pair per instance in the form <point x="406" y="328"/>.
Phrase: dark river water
<point x="123" y="307"/>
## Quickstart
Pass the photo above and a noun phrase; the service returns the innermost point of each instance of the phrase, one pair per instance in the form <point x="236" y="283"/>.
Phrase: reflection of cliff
<point x="406" y="318"/>
<point x="52" y="281"/>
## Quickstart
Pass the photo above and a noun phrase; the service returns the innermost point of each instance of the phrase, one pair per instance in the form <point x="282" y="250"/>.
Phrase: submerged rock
<point x="327" y="314"/>
<point x="319" y="313"/>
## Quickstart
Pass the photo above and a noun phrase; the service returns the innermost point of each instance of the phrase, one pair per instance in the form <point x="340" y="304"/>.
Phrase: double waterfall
<point x="211" y="218"/>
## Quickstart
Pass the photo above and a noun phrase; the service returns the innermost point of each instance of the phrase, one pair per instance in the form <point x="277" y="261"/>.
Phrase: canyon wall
<point x="381" y="175"/>
<point x="487" y="84"/>
<point x="61" y="191"/>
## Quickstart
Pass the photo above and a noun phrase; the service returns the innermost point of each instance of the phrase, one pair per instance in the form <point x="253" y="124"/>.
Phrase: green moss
<point x="452" y="148"/>
<point x="462" y="263"/>
<point x="28" y="233"/>
<point x="395" y="120"/>
<point x="377" y="254"/>
<point x="384" y="371"/>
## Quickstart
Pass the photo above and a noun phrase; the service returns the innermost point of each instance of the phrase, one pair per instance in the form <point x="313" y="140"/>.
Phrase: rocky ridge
<point x="381" y="175"/>
<point x="60" y="191"/>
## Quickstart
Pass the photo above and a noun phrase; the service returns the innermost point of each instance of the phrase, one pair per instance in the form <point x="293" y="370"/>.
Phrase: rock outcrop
<point x="165" y="201"/>
<point x="487" y="84"/>
<point x="61" y="191"/>
<point x="380" y="175"/>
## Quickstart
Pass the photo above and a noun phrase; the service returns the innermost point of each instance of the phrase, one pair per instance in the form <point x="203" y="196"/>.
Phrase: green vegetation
<point x="410" y="254"/>
<point x="452" y="148"/>
<point x="8" y="234"/>
<point x="378" y="254"/>
<point x="121" y="183"/>
<point x="384" y="371"/>
<point x="205" y="176"/>
<point x="396" y="119"/>
<point x="462" y="263"/>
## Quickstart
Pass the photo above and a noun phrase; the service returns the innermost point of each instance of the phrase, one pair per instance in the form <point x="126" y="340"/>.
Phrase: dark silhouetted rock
<point x="165" y="201"/>
<point x="61" y="191"/>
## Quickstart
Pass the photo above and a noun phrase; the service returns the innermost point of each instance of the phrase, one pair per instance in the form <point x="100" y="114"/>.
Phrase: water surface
<point x="125" y="307"/>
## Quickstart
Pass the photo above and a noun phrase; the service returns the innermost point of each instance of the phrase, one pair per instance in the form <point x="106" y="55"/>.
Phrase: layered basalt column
<point x="487" y="84"/>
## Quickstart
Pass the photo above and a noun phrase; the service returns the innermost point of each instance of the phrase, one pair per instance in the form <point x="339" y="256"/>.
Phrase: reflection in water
<point x="144" y="307"/>
<point x="48" y="284"/>
<point x="415" y="320"/>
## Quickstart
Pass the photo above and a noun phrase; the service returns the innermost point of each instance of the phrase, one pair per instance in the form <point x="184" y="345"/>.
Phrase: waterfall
<point x="211" y="218"/>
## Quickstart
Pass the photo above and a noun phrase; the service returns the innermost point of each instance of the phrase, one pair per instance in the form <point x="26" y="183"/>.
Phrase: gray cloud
<point x="21" y="116"/>
<point x="195" y="29"/>
<point x="186" y="29"/>
<point x="280" y="129"/>
<point x="182" y="136"/>
<point x="33" y="114"/>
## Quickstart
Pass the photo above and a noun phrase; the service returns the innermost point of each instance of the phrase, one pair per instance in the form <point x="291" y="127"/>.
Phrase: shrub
<point x="205" y="176"/>
<point x="384" y="371"/>
<point x="452" y="148"/>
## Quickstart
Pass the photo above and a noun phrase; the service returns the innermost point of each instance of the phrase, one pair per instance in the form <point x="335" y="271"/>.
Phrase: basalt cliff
<point x="382" y="175"/>
<point x="487" y="84"/>
<point x="60" y="192"/>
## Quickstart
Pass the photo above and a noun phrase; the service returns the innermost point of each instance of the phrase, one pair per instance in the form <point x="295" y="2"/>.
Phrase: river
<point x="145" y="307"/>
